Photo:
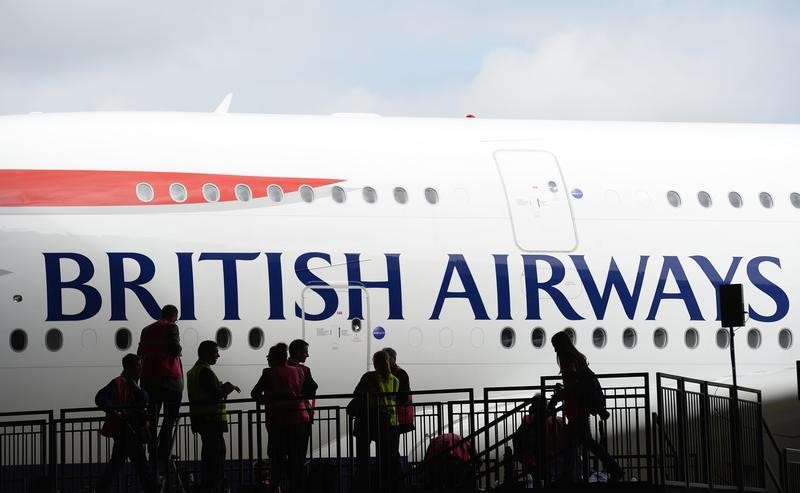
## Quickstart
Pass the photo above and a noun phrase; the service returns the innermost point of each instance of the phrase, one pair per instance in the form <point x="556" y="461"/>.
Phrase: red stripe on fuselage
<point x="42" y="188"/>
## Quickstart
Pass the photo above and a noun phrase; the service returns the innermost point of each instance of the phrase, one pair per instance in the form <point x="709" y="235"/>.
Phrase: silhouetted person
<point x="578" y="381"/>
<point x="208" y="414"/>
<point x="377" y="423"/>
<point x="280" y="389"/>
<point x="124" y="404"/>
<point x="405" y="411"/>
<point x="449" y="464"/>
<point x="298" y="354"/>
<point x="162" y="378"/>
<point x="528" y="446"/>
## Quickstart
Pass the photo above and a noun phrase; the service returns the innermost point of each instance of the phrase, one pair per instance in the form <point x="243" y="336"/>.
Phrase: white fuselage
<point x="520" y="204"/>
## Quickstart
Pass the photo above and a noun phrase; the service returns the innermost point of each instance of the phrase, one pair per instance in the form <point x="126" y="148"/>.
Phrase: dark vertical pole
<point x="683" y="462"/>
<point x="798" y="380"/>
<point x="735" y="428"/>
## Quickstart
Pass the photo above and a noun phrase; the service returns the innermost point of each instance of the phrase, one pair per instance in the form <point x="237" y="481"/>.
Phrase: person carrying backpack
<point x="582" y="396"/>
<point x="124" y="404"/>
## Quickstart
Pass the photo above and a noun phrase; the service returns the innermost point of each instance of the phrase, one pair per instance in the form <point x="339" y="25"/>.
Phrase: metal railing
<point x="26" y="445"/>
<point x="692" y="431"/>
<point x="698" y="438"/>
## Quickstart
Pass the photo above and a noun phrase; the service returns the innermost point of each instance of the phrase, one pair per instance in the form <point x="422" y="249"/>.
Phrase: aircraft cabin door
<point x="541" y="216"/>
<point x="339" y="348"/>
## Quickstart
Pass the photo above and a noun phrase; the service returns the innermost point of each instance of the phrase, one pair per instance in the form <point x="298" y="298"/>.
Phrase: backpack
<point x="593" y="397"/>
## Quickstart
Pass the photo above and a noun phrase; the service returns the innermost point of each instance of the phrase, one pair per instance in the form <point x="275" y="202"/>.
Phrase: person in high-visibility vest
<point x="376" y="421"/>
<point x="208" y="414"/>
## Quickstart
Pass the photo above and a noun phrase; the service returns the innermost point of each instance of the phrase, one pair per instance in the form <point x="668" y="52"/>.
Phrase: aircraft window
<point x="794" y="197"/>
<point x="723" y="339"/>
<point x="785" y="338"/>
<point x="178" y="192"/>
<point x="754" y="338"/>
<point x="446" y="337"/>
<point x="400" y="195"/>
<point x="338" y="194"/>
<point x="735" y="199"/>
<point x="431" y="195"/>
<point x="223" y="338"/>
<point x="599" y="337"/>
<point x="704" y="198"/>
<point x="19" y="340"/>
<point x="17" y="298"/>
<point x="210" y="192"/>
<point x="275" y="193"/>
<point x="123" y="338"/>
<point x="54" y="339"/>
<point x="766" y="200"/>
<point x="692" y="338"/>
<point x="243" y="193"/>
<point x="370" y="195"/>
<point x="674" y="198"/>
<point x="538" y="337"/>
<point x="255" y="338"/>
<point x="144" y="191"/>
<point x="660" y="338"/>
<point x="571" y="333"/>
<point x="629" y="338"/>
<point x="355" y="325"/>
<point x="508" y="337"/>
<point x="307" y="193"/>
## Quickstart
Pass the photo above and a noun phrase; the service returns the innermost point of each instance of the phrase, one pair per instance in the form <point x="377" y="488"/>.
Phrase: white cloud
<point x="727" y="60"/>
<point x="714" y="71"/>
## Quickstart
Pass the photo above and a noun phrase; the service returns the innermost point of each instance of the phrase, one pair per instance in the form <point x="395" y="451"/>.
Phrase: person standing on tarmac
<point x="162" y="378"/>
<point x="123" y="402"/>
<point x="208" y="414"/>
<point x="576" y="374"/>
<point x="298" y="354"/>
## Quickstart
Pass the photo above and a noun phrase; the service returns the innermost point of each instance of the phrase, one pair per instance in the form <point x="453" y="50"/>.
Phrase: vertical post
<point x="736" y="452"/>
<point x="705" y="439"/>
<point x="52" y="452"/>
<point x="680" y="405"/>
<point x="798" y="380"/>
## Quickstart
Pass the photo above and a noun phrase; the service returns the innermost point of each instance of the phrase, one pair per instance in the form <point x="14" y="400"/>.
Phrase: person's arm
<point x="174" y="341"/>
<point x="258" y="391"/>
<point x="309" y="385"/>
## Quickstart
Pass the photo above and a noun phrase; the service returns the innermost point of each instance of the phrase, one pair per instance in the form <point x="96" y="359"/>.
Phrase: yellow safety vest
<point x="204" y="413"/>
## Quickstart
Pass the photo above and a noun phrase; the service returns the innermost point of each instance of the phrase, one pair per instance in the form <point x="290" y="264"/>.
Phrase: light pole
<point x="731" y="304"/>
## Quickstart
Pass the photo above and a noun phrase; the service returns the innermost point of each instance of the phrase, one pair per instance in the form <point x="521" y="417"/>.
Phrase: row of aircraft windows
<point x="734" y="198"/>
<point x="54" y="338"/>
<point x="630" y="338"/>
<point x="179" y="193"/>
<point x="123" y="338"/>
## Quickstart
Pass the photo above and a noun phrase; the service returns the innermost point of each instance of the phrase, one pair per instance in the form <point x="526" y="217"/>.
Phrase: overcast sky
<point x="692" y="60"/>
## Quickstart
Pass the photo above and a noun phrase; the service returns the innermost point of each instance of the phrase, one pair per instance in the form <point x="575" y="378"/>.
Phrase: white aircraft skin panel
<point x="636" y="163"/>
